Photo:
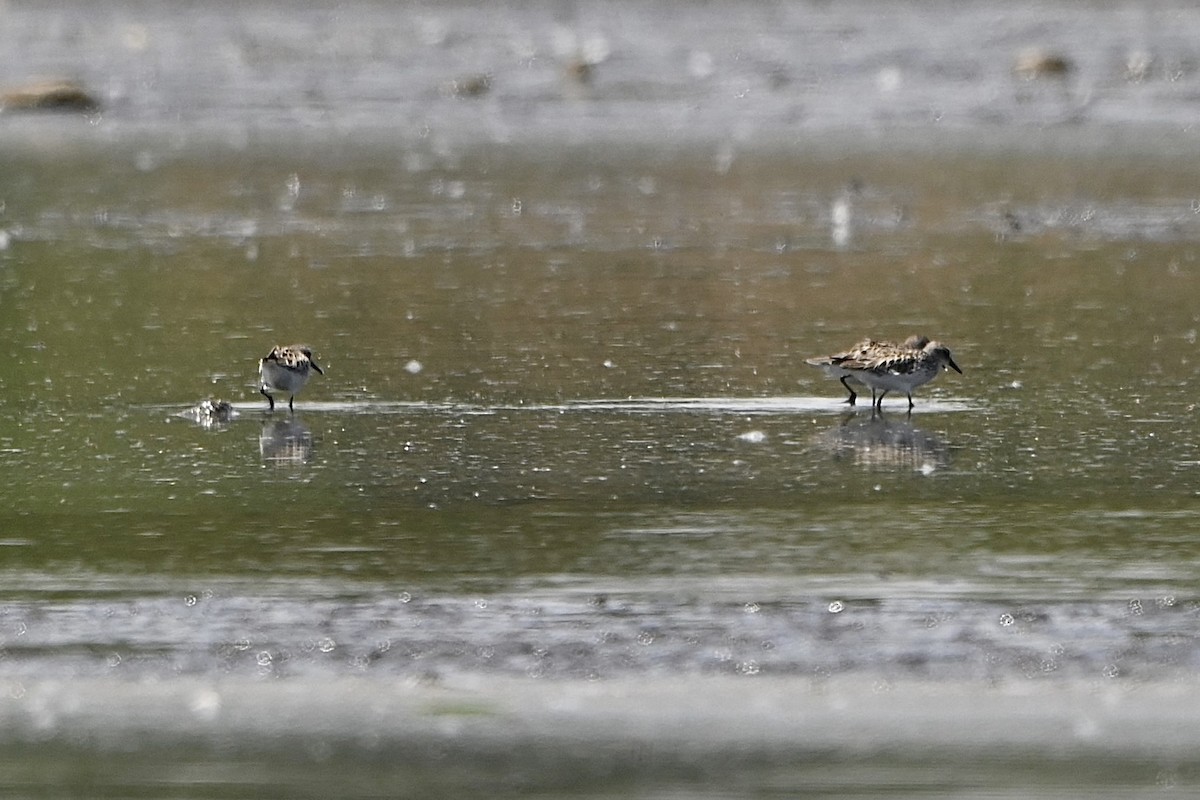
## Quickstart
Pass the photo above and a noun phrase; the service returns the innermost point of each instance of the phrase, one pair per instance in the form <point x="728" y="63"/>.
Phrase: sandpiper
<point x="834" y="369"/>
<point x="887" y="367"/>
<point x="286" y="370"/>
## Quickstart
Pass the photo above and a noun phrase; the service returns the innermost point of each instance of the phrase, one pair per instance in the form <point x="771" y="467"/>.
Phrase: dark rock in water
<point x="1035" y="63"/>
<point x="469" y="86"/>
<point x="49" y="96"/>
<point x="578" y="70"/>
<point x="210" y="412"/>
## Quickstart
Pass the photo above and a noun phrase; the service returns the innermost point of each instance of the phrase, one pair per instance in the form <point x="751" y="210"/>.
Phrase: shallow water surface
<point x="567" y="512"/>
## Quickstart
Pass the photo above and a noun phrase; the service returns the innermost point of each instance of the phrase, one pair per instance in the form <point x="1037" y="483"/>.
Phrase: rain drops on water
<point x="888" y="79"/>
<point x="700" y="64"/>
<point x="205" y="704"/>
<point x="837" y="607"/>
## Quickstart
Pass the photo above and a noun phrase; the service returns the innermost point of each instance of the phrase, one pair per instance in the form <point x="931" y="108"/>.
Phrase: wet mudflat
<point x="567" y="512"/>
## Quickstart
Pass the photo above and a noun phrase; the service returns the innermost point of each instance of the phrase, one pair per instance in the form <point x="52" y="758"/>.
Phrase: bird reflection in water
<point x="285" y="441"/>
<point x="880" y="442"/>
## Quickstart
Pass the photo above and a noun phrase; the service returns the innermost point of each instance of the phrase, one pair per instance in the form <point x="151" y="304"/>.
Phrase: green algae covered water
<point x="567" y="514"/>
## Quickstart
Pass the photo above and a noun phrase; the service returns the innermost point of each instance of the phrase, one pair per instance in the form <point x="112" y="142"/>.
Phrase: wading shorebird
<point x="285" y="370"/>
<point x="886" y="367"/>
<point x="832" y="365"/>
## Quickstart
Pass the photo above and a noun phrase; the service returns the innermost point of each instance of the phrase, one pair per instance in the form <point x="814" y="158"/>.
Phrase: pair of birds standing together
<point x="884" y="367"/>
<point x="881" y="366"/>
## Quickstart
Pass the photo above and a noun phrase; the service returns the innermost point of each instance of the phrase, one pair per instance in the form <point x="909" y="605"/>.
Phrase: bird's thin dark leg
<point x="270" y="399"/>
<point x="853" y="394"/>
<point x="879" y="402"/>
<point x="290" y="399"/>
<point x="910" y="402"/>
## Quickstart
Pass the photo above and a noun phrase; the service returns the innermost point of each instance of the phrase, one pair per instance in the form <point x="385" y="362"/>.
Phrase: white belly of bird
<point x="896" y="381"/>
<point x="278" y="378"/>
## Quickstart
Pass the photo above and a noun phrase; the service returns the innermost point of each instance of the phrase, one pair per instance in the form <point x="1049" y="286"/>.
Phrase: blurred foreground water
<point x="568" y="514"/>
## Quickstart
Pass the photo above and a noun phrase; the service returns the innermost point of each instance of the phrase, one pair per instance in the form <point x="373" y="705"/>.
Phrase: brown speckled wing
<point x="898" y="361"/>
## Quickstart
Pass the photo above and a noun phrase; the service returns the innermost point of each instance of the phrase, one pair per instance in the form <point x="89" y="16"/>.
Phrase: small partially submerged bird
<point x="885" y="367"/>
<point x="286" y="370"/>
<point x="210" y="413"/>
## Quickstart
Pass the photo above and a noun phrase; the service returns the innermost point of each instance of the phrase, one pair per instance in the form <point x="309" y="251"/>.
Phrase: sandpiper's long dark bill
<point x="285" y="370"/>
<point x="886" y="367"/>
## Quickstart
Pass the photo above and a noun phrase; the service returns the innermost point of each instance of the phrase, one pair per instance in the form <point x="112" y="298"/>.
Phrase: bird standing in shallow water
<point x="887" y="367"/>
<point x="864" y="349"/>
<point x="285" y="370"/>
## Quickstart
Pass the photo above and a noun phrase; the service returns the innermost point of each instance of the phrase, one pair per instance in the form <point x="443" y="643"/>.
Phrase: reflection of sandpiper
<point x="887" y="367"/>
<point x="285" y="441"/>
<point x="286" y="370"/>
<point x="880" y="442"/>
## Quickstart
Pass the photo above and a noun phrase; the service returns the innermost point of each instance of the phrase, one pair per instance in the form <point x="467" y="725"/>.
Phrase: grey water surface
<point x="568" y="514"/>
